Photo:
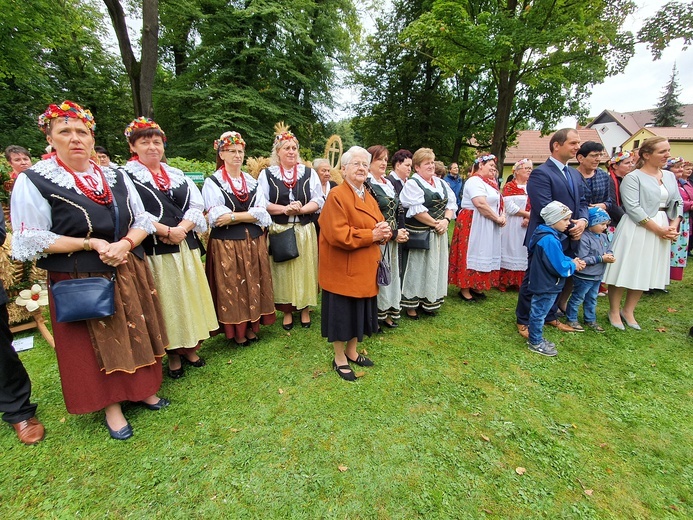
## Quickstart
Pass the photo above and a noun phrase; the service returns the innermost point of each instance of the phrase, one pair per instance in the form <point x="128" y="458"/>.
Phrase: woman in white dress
<point x="642" y="241"/>
<point x="430" y="204"/>
<point x="513" y="251"/>
<point x="475" y="253"/>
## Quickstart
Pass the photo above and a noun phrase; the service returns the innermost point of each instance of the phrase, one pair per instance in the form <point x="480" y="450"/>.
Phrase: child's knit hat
<point x="597" y="216"/>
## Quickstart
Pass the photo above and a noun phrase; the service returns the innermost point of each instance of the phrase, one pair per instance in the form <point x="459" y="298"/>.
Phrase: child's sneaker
<point x="594" y="326"/>
<point x="545" y="348"/>
<point x="576" y="326"/>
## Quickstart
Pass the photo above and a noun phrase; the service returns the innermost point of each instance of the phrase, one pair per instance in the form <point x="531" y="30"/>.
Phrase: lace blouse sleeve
<point x="143" y="219"/>
<point x="196" y="207"/>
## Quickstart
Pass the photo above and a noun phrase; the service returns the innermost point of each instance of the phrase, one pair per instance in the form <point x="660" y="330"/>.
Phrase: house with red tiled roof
<point x="680" y="139"/>
<point x="615" y="128"/>
<point x="532" y="145"/>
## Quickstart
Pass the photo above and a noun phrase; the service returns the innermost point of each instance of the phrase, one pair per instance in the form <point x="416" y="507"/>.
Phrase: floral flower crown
<point x="142" y="123"/>
<point x="284" y="136"/>
<point x="66" y="109"/>
<point x="520" y="163"/>
<point x="674" y="160"/>
<point x="485" y="158"/>
<point x="228" y="140"/>
<point x="620" y="156"/>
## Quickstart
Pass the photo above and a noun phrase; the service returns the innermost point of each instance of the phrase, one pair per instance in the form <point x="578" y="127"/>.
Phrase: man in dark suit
<point x="15" y="387"/>
<point x="554" y="180"/>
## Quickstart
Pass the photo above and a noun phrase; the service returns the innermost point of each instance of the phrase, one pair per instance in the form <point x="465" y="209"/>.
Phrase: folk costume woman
<point x="679" y="247"/>
<point x="173" y="252"/>
<point x="237" y="266"/>
<point x="475" y="253"/>
<point x="389" y="296"/>
<point x="430" y="204"/>
<point x="63" y="210"/>
<point x="294" y="194"/>
<point x="513" y="251"/>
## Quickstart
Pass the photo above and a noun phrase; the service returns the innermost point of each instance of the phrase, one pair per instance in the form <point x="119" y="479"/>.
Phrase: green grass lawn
<point x="439" y="428"/>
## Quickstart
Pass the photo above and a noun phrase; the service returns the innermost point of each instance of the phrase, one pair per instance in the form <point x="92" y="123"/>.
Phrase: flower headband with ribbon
<point x="66" y="109"/>
<point x="674" y="160"/>
<point x="229" y="139"/>
<point x="620" y="156"/>
<point x="142" y="123"/>
<point x="485" y="159"/>
<point x="520" y="163"/>
<point x="284" y="136"/>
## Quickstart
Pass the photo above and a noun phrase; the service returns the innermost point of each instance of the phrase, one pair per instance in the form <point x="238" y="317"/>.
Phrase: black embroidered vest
<point x="236" y="231"/>
<point x="279" y="194"/>
<point x="72" y="213"/>
<point x="169" y="208"/>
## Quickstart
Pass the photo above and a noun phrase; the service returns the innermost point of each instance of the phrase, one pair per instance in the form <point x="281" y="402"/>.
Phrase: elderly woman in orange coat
<point x="351" y="226"/>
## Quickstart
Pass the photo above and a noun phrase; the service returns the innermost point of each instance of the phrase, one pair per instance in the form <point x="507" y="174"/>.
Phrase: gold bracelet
<point x="86" y="245"/>
<point x="644" y="221"/>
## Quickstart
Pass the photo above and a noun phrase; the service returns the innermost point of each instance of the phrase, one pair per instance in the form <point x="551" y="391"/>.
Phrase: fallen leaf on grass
<point x="364" y="352"/>
<point x="318" y="373"/>
<point x="229" y="361"/>
<point x="465" y="362"/>
<point x="281" y="391"/>
<point x="574" y="426"/>
<point x="653" y="364"/>
<point x="342" y="468"/>
<point x="234" y="430"/>
<point x="609" y="471"/>
<point x="484" y="437"/>
<point x="669" y="309"/>
<point x="487" y="511"/>
<point x="672" y="506"/>
<point x="603" y="445"/>
<point x="588" y="492"/>
<point x="661" y="329"/>
<point x="360" y="374"/>
<point x="476" y="414"/>
<point x="62" y="419"/>
<point x="520" y="471"/>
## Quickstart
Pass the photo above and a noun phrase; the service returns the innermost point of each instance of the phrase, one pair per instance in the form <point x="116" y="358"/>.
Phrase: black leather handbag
<point x="282" y="246"/>
<point x="419" y="240"/>
<point x="384" y="273"/>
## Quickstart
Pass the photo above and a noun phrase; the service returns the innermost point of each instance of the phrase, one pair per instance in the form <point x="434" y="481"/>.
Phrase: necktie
<point x="569" y="179"/>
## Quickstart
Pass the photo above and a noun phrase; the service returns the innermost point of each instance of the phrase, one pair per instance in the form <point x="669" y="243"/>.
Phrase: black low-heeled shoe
<point x="412" y="316"/>
<point x="200" y="362"/>
<point x="361" y="361"/>
<point x="307" y="324"/>
<point x="120" y="435"/>
<point x="252" y="340"/>
<point x="477" y="295"/>
<point x="242" y="343"/>
<point x="392" y="325"/>
<point x="176" y="374"/>
<point x="465" y="299"/>
<point x="347" y="376"/>
<point x="161" y="403"/>
<point x="288" y="326"/>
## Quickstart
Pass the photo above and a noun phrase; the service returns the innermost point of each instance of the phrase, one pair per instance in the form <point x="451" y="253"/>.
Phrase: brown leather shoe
<point x="561" y="326"/>
<point x="523" y="330"/>
<point x="30" y="431"/>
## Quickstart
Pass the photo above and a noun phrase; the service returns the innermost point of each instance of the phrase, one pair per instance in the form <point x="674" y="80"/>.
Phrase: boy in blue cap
<point x="596" y="252"/>
<point x="549" y="269"/>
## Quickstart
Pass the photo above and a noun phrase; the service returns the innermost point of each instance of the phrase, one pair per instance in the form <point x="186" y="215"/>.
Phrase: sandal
<point x="361" y="361"/>
<point x="348" y="375"/>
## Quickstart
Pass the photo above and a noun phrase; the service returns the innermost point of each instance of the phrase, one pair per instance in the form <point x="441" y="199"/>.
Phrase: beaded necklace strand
<point x="289" y="183"/>
<point x="242" y="194"/>
<point x="103" y="197"/>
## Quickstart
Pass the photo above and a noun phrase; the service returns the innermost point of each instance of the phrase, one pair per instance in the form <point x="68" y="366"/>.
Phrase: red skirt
<point x="510" y="279"/>
<point x="86" y="386"/>
<point x="458" y="273"/>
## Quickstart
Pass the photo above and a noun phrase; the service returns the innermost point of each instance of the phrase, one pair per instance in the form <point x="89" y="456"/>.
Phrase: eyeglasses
<point x="359" y="164"/>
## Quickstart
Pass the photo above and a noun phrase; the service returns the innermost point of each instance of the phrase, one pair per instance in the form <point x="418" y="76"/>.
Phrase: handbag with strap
<point x="384" y="273"/>
<point x="419" y="240"/>
<point x="282" y="246"/>
<point x="80" y="299"/>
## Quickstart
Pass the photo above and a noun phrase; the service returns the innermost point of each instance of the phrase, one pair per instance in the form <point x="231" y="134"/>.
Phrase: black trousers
<point x="15" y="386"/>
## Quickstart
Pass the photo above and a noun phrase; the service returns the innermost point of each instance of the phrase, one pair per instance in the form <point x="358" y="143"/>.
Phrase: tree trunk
<point x="140" y="73"/>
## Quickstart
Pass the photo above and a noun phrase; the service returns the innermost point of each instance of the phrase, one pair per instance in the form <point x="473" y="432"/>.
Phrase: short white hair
<point x="317" y="163"/>
<point x="354" y="150"/>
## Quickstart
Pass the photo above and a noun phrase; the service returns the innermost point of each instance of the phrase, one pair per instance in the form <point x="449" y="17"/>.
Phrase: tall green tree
<point x="672" y="21"/>
<point x="668" y="111"/>
<point x="51" y="51"/>
<point x="539" y="56"/>
<point x="250" y="64"/>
